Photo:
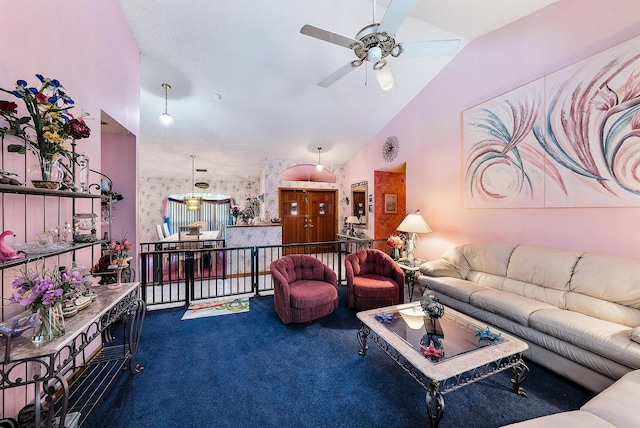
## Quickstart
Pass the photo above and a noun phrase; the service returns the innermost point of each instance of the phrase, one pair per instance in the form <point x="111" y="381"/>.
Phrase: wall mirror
<point x="359" y="203"/>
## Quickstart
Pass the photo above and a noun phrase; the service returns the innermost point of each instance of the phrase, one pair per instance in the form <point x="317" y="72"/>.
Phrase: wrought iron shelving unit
<point x="53" y="373"/>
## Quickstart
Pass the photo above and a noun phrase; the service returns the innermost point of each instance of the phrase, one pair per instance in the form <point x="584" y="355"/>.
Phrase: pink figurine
<point x="7" y="253"/>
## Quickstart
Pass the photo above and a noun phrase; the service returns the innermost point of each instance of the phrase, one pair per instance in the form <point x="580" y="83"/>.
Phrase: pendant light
<point x="193" y="202"/>
<point x="165" y="117"/>
<point x="319" y="167"/>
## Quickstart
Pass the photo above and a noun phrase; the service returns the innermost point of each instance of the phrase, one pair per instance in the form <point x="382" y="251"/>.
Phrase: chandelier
<point x="193" y="202"/>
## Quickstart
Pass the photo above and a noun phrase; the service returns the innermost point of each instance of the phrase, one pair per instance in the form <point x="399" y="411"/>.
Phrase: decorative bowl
<point x="15" y="328"/>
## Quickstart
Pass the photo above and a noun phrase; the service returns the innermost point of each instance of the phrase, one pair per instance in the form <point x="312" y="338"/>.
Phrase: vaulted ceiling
<point x="243" y="78"/>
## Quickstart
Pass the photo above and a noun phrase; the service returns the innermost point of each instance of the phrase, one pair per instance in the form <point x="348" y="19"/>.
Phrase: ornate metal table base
<point x="55" y="369"/>
<point x="436" y="389"/>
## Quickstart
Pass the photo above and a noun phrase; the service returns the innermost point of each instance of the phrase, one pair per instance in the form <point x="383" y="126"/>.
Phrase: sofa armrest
<point x="440" y="267"/>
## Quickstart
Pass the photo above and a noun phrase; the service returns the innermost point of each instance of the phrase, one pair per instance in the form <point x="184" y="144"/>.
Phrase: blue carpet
<point x="250" y="370"/>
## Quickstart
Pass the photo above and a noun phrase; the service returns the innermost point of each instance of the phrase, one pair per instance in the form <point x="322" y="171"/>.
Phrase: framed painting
<point x="390" y="203"/>
<point x="568" y="139"/>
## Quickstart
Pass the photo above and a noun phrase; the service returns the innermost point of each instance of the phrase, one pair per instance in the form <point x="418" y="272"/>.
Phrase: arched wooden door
<point x="308" y="215"/>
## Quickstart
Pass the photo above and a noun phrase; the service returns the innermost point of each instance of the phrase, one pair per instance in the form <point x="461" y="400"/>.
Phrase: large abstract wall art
<point x="570" y="139"/>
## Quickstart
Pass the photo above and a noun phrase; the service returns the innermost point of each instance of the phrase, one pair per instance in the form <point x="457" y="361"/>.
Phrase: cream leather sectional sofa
<point x="577" y="311"/>
<point x="616" y="406"/>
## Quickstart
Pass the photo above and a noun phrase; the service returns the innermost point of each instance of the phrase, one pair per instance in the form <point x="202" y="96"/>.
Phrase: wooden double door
<point x="308" y="215"/>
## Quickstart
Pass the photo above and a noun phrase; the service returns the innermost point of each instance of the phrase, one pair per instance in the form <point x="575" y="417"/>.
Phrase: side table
<point x="411" y="270"/>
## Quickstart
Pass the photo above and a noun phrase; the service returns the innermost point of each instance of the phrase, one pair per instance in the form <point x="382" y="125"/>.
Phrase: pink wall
<point x="89" y="48"/>
<point x="119" y="164"/>
<point x="429" y="131"/>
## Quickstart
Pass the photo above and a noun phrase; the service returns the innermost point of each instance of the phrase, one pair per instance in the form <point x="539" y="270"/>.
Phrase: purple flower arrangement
<point x="42" y="288"/>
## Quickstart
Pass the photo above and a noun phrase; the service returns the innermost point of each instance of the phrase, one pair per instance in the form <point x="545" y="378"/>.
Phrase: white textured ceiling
<point x="251" y="52"/>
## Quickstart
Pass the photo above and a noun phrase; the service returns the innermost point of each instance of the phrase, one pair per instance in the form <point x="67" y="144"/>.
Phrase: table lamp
<point x="352" y="220"/>
<point x="412" y="225"/>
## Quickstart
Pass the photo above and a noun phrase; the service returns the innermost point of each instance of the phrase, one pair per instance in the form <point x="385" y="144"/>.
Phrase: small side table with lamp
<point x="352" y="220"/>
<point x="412" y="225"/>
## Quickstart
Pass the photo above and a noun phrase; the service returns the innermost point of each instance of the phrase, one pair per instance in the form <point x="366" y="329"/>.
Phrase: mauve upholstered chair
<point x="374" y="280"/>
<point x="304" y="288"/>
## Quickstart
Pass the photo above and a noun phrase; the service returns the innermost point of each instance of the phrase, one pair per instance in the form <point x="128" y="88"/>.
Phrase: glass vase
<point x="51" y="324"/>
<point x="46" y="174"/>
<point x="395" y="253"/>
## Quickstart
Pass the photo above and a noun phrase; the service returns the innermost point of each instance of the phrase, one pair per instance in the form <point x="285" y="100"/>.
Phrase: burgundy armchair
<point x="304" y="288"/>
<point x="374" y="280"/>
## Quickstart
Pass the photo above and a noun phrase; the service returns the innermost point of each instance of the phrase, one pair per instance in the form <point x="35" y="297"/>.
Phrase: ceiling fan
<point x="377" y="41"/>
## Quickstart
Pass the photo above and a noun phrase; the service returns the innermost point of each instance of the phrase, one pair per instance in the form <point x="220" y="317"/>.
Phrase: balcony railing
<point x="178" y="273"/>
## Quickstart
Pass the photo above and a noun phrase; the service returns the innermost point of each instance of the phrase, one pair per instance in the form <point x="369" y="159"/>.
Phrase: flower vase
<point x="395" y="253"/>
<point x="47" y="174"/>
<point x="118" y="268"/>
<point x="51" y="324"/>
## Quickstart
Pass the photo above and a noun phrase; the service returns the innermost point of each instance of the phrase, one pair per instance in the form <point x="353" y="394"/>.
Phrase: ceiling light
<point x="193" y="202"/>
<point x="319" y="167"/>
<point x="165" y="117"/>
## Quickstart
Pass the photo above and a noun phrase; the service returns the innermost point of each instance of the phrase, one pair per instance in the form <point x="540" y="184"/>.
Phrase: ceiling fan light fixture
<point x="374" y="54"/>
<point x="165" y="117"/>
<point x="379" y="65"/>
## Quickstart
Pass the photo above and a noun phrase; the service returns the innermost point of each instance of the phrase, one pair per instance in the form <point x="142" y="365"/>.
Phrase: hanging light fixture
<point x="193" y="202"/>
<point x="165" y="117"/>
<point x="319" y="167"/>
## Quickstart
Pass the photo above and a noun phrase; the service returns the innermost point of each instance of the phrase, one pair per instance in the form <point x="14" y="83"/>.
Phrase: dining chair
<point x="159" y="231"/>
<point x="165" y="230"/>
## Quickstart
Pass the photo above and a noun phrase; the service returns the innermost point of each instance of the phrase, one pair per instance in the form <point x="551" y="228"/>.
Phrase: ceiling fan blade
<point x="336" y="75"/>
<point x="395" y="16"/>
<point x="385" y="78"/>
<point x="328" y="36"/>
<point x="430" y="48"/>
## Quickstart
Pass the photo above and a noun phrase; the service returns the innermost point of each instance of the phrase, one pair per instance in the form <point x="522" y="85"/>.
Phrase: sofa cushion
<point x="611" y="279"/>
<point x="618" y="404"/>
<point x="372" y="285"/>
<point x="489" y="257"/>
<point x="601" y="337"/>
<point x="537" y="292"/>
<point x="459" y="289"/>
<point x="440" y="267"/>
<point x="575" y="418"/>
<point x="634" y="334"/>
<point x="511" y="306"/>
<point x="308" y="293"/>
<point x="548" y="267"/>
<point x="486" y="279"/>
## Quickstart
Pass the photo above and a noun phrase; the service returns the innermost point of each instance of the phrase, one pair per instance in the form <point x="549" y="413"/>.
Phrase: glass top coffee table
<point x="444" y="354"/>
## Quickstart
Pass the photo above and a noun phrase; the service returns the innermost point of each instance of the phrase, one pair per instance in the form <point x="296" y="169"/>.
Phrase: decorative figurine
<point x="431" y="306"/>
<point x="7" y="253"/>
<point x="486" y="335"/>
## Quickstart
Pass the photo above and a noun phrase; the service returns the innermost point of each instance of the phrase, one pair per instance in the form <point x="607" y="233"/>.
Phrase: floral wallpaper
<point x="152" y="191"/>
<point x="271" y="172"/>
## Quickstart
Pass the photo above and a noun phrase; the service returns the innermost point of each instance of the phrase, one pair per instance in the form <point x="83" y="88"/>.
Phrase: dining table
<point x="185" y="241"/>
<point x="205" y="235"/>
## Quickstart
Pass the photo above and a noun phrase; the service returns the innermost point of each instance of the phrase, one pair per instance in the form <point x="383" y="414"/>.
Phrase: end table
<point x="411" y="270"/>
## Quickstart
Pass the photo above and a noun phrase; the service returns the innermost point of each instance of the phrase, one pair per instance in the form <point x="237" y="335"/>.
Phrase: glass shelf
<point x="7" y="188"/>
